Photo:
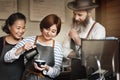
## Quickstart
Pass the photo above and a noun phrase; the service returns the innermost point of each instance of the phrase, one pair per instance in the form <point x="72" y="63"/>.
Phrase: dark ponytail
<point x="11" y="19"/>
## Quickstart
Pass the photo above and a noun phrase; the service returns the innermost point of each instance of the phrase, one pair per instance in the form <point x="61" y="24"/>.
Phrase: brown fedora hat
<point x="81" y="4"/>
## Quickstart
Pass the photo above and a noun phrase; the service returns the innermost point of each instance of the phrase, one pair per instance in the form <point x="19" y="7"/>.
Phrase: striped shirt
<point x="53" y="71"/>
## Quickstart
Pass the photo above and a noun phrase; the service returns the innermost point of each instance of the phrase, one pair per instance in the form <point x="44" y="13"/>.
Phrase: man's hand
<point x="75" y="36"/>
<point x="73" y="33"/>
<point x="72" y="55"/>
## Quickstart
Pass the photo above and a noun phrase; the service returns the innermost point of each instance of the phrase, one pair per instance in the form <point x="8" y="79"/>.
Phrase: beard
<point x="78" y="24"/>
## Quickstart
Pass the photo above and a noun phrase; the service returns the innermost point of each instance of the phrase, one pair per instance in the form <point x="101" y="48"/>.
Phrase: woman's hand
<point x="26" y="47"/>
<point x="42" y="67"/>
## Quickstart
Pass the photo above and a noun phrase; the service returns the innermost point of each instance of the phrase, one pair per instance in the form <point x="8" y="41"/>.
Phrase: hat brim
<point x="71" y="6"/>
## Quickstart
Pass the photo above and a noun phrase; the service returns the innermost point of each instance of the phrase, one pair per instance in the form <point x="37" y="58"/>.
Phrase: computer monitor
<point x="106" y="51"/>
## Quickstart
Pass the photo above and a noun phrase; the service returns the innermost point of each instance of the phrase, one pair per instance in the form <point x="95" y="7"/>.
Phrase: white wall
<point x="32" y="28"/>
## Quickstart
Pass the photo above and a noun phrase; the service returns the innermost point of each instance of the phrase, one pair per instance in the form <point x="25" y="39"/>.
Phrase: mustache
<point x="81" y="22"/>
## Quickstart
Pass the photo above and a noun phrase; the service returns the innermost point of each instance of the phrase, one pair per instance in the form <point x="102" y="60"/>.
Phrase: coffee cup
<point x="40" y="62"/>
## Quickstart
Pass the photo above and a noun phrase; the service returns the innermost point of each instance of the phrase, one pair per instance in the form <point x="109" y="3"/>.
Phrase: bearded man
<point x="83" y="27"/>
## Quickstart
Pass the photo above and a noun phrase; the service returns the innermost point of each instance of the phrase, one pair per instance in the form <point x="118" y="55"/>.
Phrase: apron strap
<point x="35" y="40"/>
<point x="53" y="43"/>
<point x="2" y="44"/>
<point x="90" y="30"/>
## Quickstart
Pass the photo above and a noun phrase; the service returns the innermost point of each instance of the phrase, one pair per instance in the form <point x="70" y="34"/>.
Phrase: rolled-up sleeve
<point x="10" y="55"/>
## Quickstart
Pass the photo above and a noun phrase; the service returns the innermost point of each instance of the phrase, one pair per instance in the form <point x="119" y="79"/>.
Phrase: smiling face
<point x="80" y="18"/>
<point x="50" y="26"/>
<point x="17" y="29"/>
<point x="50" y="32"/>
<point x="80" y="15"/>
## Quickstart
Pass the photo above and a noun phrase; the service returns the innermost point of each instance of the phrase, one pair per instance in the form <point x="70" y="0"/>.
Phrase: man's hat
<point x="81" y="5"/>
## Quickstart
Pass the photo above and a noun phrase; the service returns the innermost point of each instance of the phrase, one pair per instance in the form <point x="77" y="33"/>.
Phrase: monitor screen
<point x="106" y="51"/>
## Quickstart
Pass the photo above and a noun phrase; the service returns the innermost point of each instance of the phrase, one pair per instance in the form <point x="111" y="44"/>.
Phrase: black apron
<point x="44" y="53"/>
<point x="10" y="71"/>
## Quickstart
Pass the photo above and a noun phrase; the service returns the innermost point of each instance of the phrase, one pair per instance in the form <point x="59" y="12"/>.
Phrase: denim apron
<point x="44" y="53"/>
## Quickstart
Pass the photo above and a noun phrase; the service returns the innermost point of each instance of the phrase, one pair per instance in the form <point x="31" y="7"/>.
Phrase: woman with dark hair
<point x="14" y="27"/>
<point x="48" y="50"/>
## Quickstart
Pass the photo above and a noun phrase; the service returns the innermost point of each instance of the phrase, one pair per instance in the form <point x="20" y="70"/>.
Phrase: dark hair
<point x="50" y="20"/>
<point x="11" y="19"/>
